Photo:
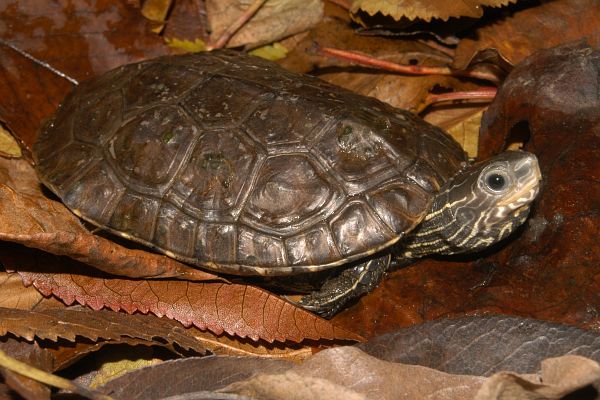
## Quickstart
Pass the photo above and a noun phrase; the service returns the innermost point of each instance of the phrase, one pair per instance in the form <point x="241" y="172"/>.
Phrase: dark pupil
<point x="496" y="182"/>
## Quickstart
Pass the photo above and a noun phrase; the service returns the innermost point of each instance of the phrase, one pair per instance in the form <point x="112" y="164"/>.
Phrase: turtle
<point x="230" y="163"/>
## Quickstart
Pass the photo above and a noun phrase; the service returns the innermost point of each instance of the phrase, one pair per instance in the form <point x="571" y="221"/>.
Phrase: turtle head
<point x="480" y="206"/>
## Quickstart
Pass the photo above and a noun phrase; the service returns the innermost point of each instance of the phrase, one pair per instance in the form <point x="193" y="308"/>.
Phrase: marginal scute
<point x="175" y="230"/>
<point x="136" y="214"/>
<point x="65" y="165"/>
<point x="314" y="246"/>
<point x="216" y="242"/>
<point x="258" y="249"/>
<point x="97" y="192"/>
<point x="150" y="147"/>
<point x="356" y="230"/>
<point x="289" y="189"/>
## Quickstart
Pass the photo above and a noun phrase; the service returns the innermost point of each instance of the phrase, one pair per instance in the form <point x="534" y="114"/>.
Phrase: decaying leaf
<point x="275" y="20"/>
<point x="187" y="46"/>
<point x="426" y="9"/>
<point x="462" y="123"/>
<point x="28" y="217"/>
<point x="34" y="68"/>
<point x="189" y="375"/>
<point x="522" y="33"/>
<point x="360" y="374"/>
<point x="239" y="310"/>
<point x="156" y="11"/>
<point x="8" y="145"/>
<point x="14" y="295"/>
<point x="483" y="345"/>
<point x="559" y="378"/>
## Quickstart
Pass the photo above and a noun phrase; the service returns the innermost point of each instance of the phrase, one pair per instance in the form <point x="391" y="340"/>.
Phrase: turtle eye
<point x="496" y="181"/>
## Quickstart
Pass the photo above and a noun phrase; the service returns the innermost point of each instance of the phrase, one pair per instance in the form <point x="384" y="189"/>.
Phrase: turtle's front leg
<point x="347" y="285"/>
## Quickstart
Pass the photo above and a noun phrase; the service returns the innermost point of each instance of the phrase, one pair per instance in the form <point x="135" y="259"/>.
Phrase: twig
<point x="233" y="28"/>
<point x="404" y="69"/>
<point x="47" y="378"/>
<point x="39" y="62"/>
<point x="484" y="93"/>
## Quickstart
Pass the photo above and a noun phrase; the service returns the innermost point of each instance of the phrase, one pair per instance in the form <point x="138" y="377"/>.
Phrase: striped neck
<point x="480" y="206"/>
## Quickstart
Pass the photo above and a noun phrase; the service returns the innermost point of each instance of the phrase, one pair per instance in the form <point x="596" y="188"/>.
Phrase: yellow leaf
<point x="8" y="144"/>
<point x="271" y="52"/>
<point x="187" y="45"/>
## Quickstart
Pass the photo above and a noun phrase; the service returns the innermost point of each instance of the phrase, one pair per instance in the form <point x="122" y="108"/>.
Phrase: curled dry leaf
<point x="275" y="20"/>
<point x="522" y="33"/>
<point x="28" y="217"/>
<point x="238" y="310"/>
<point x="425" y="9"/>
<point x="558" y="379"/>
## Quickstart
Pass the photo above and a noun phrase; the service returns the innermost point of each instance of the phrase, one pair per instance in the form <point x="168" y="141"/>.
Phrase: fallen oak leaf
<point x="238" y="310"/>
<point x="28" y="217"/>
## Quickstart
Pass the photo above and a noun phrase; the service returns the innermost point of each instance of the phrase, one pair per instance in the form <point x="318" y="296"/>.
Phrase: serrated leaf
<point x="426" y="9"/>
<point x="238" y="310"/>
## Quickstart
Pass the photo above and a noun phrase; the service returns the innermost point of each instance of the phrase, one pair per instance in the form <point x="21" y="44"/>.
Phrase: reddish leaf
<point x="28" y="217"/>
<point x="239" y="310"/>
<point x="80" y="39"/>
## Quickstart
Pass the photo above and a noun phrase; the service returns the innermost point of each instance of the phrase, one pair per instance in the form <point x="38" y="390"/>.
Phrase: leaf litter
<point x="417" y="314"/>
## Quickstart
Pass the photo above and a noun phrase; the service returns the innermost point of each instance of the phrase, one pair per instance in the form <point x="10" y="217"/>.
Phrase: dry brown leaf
<point x="521" y="34"/>
<point x="462" y="123"/>
<point x="361" y="375"/>
<point x="69" y="324"/>
<point x="28" y="217"/>
<point x="13" y="294"/>
<point x="275" y="20"/>
<point x="558" y="378"/>
<point x="239" y="310"/>
<point x="426" y="9"/>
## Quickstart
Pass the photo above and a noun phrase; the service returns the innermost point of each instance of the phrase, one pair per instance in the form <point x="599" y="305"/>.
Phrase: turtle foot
<point x="348" y="285"/>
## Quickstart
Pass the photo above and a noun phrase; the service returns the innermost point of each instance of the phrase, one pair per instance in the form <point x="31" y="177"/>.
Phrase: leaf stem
<point x="47" y="378"/>
<point x="235" y="26"/>
<point x="404" y="69"/>
<point x="485" y="93"/>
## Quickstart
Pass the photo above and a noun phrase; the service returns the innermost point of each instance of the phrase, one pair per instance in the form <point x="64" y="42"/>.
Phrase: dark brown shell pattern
<point x="232" y="163"/>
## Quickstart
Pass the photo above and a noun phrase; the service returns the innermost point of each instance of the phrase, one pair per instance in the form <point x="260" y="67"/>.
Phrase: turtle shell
<point x="232" y="163"/>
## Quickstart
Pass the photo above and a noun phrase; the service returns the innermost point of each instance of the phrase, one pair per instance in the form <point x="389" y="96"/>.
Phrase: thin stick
<point x="404" y="69"/>
<point x="47" y="378"/>
<point x="484" y="93"/>
<point x="233" y="28"/>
